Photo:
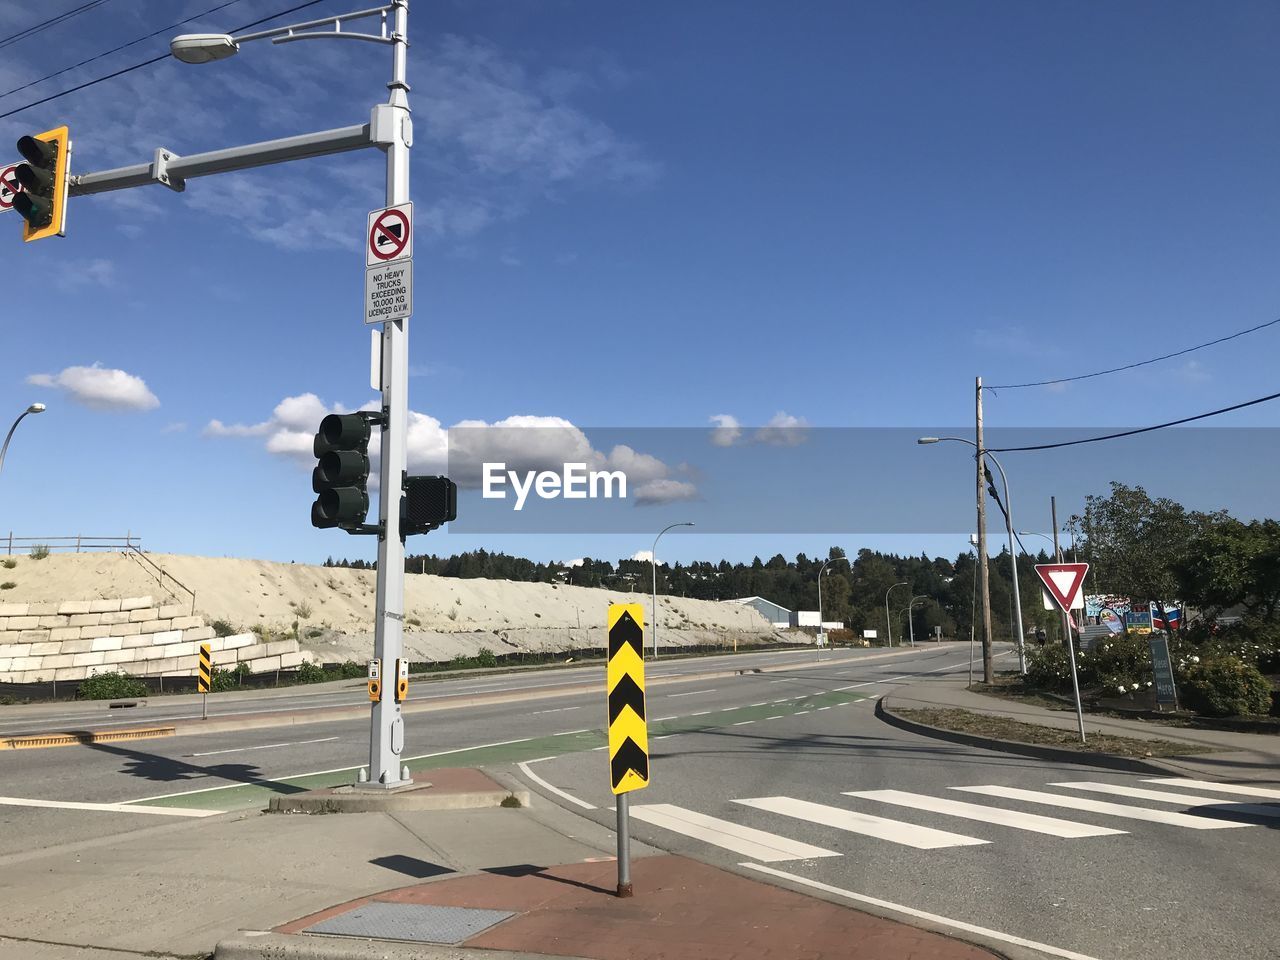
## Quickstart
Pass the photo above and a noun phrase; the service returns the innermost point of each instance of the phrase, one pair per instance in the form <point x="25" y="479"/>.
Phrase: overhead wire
<point x="1133" y="366"/>
<point x="51" y="22"/>
<point x="146" y="63"/>
<point x="1130" y="433"/>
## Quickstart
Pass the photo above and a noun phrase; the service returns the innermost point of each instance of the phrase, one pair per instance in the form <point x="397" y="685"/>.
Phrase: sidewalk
<point x="179" y="889"/>
<point x="1238" y="756"/>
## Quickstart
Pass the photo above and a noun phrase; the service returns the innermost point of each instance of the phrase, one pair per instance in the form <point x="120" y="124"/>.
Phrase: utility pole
<point x="386" y="732"/>
<point x="988" y="673"/>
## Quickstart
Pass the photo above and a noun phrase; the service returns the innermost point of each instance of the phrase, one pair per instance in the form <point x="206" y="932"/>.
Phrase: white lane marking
<point x="265" y="746"/>
<point x="820" y="709"/>
<point x="317" y="773"/>
<point x="550" y="786"/>
<point x="106" y="807"/>
<point x="976" y="811"/>
<point x="556" y="710"/>
<point x="761" y="703"/>
<point x="1182" y="799"/>
<point x="743" y="723"/>
<point x="1102" y="806"/>
<point x="691" y="693"/>
<point x="895" y="831"/>
<point x="800" y="713"/>
<point x="700" y="713"/>
<point x="920" y="914"/>
<point x="776" y="716"/>
<point x="660" y="719"/>
<point x="731" y="836"/>
<point x="1236" y="788"/>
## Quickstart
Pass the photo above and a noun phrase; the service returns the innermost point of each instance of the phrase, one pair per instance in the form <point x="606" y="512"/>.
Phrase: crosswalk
<point x="1165" y="801"/>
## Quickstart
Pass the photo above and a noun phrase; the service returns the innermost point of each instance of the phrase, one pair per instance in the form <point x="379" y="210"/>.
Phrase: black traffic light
<point x="341" y="476"/>
<point x="428" y="502"/>
<point x="43" y="176"/>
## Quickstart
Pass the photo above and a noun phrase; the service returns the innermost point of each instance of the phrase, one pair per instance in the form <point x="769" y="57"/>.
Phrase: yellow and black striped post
<point x="628" y="729"/>
<point x="205" y="679"/>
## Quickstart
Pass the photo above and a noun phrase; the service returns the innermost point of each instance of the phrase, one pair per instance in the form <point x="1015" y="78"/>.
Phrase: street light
<point x="653" y="557"/>
<point x="888" y="624"/>
<point x="34" y="408"/>
<point x="829" y="560"/>
<point x="390" y="129"/>
<point x="1013" y="554"/>
<point x="911" y="623"/>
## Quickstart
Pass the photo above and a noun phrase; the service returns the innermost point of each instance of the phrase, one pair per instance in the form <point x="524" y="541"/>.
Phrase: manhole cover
<point x="411" y="921"/>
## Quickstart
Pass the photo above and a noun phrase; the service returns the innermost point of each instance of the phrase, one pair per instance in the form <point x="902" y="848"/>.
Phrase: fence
<point x="129" y="545"/>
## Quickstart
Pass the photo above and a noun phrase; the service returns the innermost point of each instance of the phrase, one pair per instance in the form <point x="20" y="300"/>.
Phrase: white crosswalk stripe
<point x="1053" y="826"/>
<point x="1182" y="799"/>
<point x="1236" y="788"/>
<point x="757" y="844"/>
<point x="895" y="831"/>
<point x="1101" y="806"/>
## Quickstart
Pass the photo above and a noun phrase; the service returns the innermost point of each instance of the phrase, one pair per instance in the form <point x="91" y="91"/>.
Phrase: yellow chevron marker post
<point x="628" y="730"/>
<point x="205" y="679"/>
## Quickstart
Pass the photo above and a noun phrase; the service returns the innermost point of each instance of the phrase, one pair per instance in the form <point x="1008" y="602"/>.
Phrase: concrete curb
<point x="262" y="945"/>
<point x="251" y="722"/>
<point x="364" y="802"/>
<point x="1106" y="761"/>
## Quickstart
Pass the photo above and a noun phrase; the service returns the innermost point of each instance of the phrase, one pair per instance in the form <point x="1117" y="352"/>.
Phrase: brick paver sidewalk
<point x="682" y="910"/>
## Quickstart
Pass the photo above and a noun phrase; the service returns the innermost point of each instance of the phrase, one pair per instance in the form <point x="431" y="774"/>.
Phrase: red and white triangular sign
<point x="1063" y="581"/>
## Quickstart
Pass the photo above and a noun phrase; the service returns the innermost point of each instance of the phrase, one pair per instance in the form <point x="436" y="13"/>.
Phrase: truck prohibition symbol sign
<point x="390" y="236"/>
<point x="9" y="186"/>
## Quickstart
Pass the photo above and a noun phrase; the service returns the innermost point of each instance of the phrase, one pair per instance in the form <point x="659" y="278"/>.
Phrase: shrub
<point x="350" y="669"/>
<point x="111" y="686"/>
<point x="485" y="658"/>
<point x="1048" y="668"/>
<point x="303" y="610"/>
<point x="10" y="563"/>
<point x="1225" y="687"/>
<point x="7" y="585"/>
<point x="313" y="633"/>
<point x="1116" y="662"/>
<point x="39" y="551"/>
<point x="223" y="680"/>
<point x="311" y="673"/>
<point x="222" y="629"/>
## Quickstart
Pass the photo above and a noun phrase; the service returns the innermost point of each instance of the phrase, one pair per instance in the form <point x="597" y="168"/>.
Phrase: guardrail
<point x="80" y="543"/>
<point x="160" y="573"/>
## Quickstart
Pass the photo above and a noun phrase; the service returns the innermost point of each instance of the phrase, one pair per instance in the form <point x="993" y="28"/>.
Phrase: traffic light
<point x="341" y="476"/>
<point x="428" y="503"/>
<point x="43" y="200"/>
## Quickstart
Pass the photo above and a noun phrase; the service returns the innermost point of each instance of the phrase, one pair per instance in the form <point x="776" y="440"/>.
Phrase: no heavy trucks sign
<point x="388" y="276"/>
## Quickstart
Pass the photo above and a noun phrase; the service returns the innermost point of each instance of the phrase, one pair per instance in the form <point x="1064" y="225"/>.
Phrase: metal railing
<point x="160" y="573"/>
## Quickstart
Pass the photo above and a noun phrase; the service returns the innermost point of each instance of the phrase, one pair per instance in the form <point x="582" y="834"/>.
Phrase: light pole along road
<point x="390" y="128"/>
<point x="34" y="408"/>
<point x="829" y="561"/>
<point x="1013" y="553"/>
<point x="653" y="557"/>
<point x="911" y="622"/>
<point x="888" y="624"/>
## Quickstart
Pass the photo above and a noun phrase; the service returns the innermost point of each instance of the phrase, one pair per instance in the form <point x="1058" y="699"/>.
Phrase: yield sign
<point x="9" y="186"/>
<point x="1063" y="582"/>
<point x="390" y="235"/>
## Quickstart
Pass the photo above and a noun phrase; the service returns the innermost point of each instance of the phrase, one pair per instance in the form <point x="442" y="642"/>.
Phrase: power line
<point x="123" y="46"/>
<point x="1140" y="363"/>
<point x="1130" y="433"/>
<point x="51" y="22"/>
<point x="147" y="63"/>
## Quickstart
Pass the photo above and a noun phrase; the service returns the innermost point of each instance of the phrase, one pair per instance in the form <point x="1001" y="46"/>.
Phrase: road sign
<point x="388" y="292"/>
<point x="1162" y="670"/>
<point x="390" y="235"/>
<point x="1063" y="582"/>
<point x="9" y="186"/>
<point x="628" y="731"/>
<point x="205" y="680"/>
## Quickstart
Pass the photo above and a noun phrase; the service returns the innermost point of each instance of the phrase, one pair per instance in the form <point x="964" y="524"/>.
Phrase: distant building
<point x="777" y="615"/>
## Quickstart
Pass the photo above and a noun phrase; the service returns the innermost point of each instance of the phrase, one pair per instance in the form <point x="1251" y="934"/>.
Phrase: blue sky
<point x="643" y="216"/>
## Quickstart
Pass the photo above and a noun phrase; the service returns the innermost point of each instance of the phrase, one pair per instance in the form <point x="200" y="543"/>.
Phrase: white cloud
<point x="727" y="432"/>
<point x="97" y="272"/>
<point x="645" y="555"/>
<point x="573" y="563"/>
<point x="100" y="388"/>
<point x="176" y="427"/>
<point x="782" y="430"/>
<point x="664" y="491"/>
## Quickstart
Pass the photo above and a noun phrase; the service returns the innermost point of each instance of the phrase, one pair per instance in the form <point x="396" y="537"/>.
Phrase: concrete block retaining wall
<point x="73" y="639"/>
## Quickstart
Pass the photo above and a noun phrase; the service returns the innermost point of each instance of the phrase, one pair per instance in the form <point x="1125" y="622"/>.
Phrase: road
<point x="785" y="775"/>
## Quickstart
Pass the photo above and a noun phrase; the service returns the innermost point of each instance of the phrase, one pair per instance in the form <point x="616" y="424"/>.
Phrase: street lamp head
<point x="924" y="440"/>
<point x="203" y="47"/>
<point x="36" y="408"/>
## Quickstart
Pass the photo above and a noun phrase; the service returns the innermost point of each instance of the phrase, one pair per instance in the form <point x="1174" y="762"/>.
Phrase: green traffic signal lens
<point x="37" y="211"/>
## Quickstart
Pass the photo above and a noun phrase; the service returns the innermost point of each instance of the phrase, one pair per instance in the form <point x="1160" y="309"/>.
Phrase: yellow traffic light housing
<point x="43" y="175"/>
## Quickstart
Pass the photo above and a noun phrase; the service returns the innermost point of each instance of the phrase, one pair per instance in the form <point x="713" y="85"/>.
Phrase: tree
<point x="1136" y="544"/>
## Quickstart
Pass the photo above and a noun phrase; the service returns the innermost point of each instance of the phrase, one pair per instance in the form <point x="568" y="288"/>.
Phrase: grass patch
<point x="1002" y="728"/>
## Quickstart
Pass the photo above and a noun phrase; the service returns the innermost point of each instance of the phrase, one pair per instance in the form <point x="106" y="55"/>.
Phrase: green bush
<point x="223" y="680"/>
<point x="485" y="658"/>
<point x="1116" y="662"/>
<point x="7" y="585"/>
<point x="222" y="629"/>
<point x="10" y="563"/>
<point x="1048" y="668"/>
<point x="111" y="686"/>
<point x="311" y="673"/>
<point x="1225" y="687"/>
<point x="39" y="551"/>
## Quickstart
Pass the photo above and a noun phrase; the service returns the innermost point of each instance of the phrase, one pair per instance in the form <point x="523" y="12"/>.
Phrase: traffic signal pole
<point x="386" y="735"/>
